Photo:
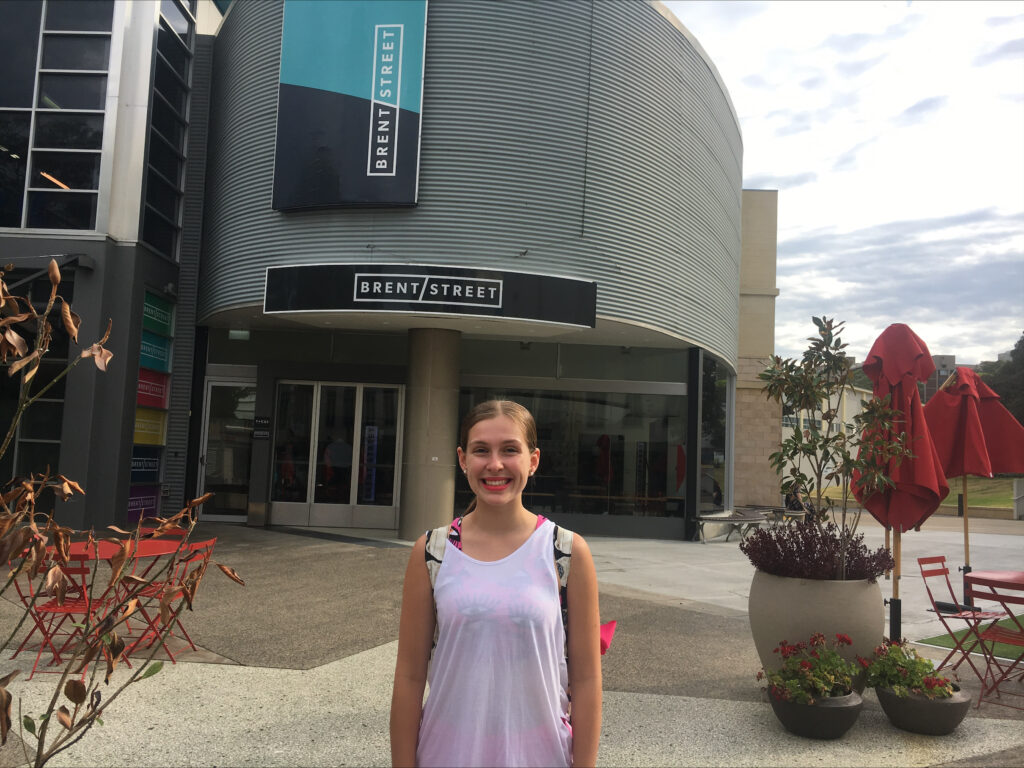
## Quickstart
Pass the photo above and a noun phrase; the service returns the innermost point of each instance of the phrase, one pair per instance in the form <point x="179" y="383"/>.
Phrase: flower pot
<point x="783" y="608"/>
<point x="919" y="714"/>
<point x="824" y="719"/>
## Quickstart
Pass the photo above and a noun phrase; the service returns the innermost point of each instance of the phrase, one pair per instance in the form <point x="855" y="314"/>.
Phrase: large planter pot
<point x="824" y="719"/>
<point x="919" y="714"/>
<point x="783" y="608"/>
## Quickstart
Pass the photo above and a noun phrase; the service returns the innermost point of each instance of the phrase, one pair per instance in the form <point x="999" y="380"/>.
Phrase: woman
<point x="499" y="677"/>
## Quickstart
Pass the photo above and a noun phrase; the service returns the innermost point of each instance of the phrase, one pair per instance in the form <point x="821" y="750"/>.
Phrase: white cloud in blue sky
<point x="894" y="132"/>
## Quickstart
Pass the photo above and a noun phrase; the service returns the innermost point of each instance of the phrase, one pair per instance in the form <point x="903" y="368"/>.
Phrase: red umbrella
<point x="897" y="361"/>
<point x="973" y="433"/>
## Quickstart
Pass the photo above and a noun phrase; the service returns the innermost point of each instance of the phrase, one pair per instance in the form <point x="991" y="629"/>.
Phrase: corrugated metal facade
<point x="587" y="139"/>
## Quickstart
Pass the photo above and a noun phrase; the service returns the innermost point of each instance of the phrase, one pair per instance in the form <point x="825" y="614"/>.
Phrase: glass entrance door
<point x="336" y="450"/>
<point x="227" y="448"/>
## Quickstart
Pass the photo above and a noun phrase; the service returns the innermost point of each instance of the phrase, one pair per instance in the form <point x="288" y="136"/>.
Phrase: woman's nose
<point x="494" y="461"/>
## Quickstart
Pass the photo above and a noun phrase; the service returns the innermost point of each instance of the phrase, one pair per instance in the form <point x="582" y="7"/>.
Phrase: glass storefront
<point x="714" y="427"/>
<point x="601" y="453"/>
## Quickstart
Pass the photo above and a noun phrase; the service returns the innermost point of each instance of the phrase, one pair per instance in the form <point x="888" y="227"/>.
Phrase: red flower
<point x="864" y="662"/>
<point x="842" y="639"/>
<point x="805" y="664"/>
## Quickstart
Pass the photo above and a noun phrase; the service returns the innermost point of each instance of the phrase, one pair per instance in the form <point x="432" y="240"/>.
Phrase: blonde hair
<point x="492" y="409"/>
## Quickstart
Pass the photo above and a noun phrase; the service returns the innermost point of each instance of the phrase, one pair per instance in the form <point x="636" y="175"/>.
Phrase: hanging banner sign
<point x="158" y="315"/>
<point x="430" y="290"/>
<point x="145" y="464"/>
<point x="143" y="501"/>
<point x="153" y="389"/>
<point x="155" y="352"/>
<point x="150" y="427"/>
<point x="349" y="103"/>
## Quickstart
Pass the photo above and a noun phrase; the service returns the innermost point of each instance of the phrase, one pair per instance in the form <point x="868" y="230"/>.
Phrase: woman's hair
<point x="491" y="409"/>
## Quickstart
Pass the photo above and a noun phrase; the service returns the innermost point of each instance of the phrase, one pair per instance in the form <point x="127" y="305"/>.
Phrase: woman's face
<point x="497" y="461"/>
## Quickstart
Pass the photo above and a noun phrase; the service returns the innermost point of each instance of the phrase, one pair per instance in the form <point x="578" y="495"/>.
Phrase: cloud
<point x="848" y="160"/>
<point x="798" y="123"/>
<point x="768" y="181"/>
<point x="1011" y="49"/>
<point x="918" y="112"/>
<point x="855" y="68"/>
<point x="999" y="21"/>
<point x="755" y="81"/>
<point x="848" y="43"/>
<point x="813" y="82"/>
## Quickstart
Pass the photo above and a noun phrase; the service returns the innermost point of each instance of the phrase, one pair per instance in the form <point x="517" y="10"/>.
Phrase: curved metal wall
<point x="588" y="139"/>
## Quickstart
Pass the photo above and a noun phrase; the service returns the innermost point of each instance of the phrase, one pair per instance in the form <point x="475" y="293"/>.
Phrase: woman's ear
<point x="534" y="460"/>
<point x="462" y="459"/>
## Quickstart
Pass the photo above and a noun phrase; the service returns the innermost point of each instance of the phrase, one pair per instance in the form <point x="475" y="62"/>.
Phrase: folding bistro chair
<point x="194" y="555"/>
<point x="934" y="568"/>
<point x="999" y="670"/>
<point x="59" y="620"/>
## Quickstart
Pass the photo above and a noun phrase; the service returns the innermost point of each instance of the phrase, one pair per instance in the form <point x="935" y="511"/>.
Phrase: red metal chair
<point x="60" y="619"/>
<point x="934" y="568"/>
<point x="998" y="670"/>
<point x="193" y="559"/>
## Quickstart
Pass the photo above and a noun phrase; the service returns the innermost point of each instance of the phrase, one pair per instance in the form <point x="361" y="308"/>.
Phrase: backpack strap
<point x="562" y="545"/>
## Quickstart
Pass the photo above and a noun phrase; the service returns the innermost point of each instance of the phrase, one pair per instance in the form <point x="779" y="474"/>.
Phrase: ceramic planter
<point x="783" y="608"/>
<point x="919" y="714"/>
<point x="824" y="719"/>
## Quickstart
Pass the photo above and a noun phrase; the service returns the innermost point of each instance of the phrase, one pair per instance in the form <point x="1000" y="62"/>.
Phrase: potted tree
<point x="812" y="691"/>
<point x="817" y="575"/>
<point x="913" y="697"/>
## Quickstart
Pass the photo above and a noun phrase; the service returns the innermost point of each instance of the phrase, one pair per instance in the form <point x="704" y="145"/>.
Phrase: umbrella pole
<point x="888" y="545"/>
<point x="895" y="612"/>
<point x="967" y="541"/>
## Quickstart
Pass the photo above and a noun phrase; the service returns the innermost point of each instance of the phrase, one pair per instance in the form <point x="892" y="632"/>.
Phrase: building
<point x="322" y="230"/>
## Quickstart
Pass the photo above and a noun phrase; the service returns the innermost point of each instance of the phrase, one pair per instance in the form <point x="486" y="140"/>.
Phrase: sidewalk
<point x="297" y="665"/>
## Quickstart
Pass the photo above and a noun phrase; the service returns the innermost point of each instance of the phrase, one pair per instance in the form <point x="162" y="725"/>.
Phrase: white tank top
<point x="498" y="677"/>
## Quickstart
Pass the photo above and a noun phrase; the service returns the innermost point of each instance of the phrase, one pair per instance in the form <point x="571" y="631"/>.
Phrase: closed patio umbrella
<point x="897" y="361"/>
<point x="974" y="434"/>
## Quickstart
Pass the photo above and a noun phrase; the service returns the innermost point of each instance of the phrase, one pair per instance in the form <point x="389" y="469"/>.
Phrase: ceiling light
<point x="60" y="184"/>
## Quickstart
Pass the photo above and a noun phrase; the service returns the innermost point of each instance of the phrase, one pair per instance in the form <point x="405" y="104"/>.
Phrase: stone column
<point x="431" y="427"/>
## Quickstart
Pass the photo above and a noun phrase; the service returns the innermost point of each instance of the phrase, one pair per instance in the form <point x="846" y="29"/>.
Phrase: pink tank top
<point x="498" y="677"/>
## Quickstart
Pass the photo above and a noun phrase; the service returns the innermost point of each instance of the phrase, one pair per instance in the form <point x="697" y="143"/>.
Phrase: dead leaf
<point x="196" y="502"/>
<point x="5" y="714"/>
<point x="115" y="529"/>
<point x="130" y="608"/>
<point x="76" y="691"/>
<point x="19" y="344"/>
<point x="169" y="594"/>
<point x="56" y="583"/>
<point x="72" y="322"/>
<point x="6" y="679"/>
<point x="112" y="652"/>
<point x="133" y="581"/>
<point x="120" y="558"/>
<point x="90" y="654"/>
<point x="99" y="355"/>
<point x="61" y="544"/>
<point x="19" y="364"/>
<point x="230" y="573"/>
<point x="54" y="273"/>
<point x="64" y="716"/>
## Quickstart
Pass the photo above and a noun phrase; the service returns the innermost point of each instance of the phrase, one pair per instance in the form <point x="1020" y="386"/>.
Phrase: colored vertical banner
<point x="155" y="352"/>
<point x="145" y="464"/>
<point x="153" y="389"/>
<point x="349" y="103"/>
<point x="143" y="501"/>
<point x="150" y="427"/>
<point x="158" y="315"/>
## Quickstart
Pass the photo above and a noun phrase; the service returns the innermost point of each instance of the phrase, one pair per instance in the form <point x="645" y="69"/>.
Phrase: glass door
<point x="336" y="449"/>
<point x="227" y="448"/>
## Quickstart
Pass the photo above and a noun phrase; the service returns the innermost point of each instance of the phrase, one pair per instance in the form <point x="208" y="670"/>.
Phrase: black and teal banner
<point x="349" y="104"/>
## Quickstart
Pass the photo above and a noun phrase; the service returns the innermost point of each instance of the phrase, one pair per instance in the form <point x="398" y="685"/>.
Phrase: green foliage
<point x="828" y="456"/>
<point x="811" y="670"/>
<point x="896" y="666"/>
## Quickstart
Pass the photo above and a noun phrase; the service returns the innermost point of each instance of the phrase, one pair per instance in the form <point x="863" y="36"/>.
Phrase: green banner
<point x="158" y="315"/>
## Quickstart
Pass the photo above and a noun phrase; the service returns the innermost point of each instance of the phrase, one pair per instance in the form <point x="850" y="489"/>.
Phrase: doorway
<point x="336" y="450"/>
<point x="230" y="405"/>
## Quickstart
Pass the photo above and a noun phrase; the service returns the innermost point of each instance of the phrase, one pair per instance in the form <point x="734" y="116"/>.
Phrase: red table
<point x="1007" y="589"/>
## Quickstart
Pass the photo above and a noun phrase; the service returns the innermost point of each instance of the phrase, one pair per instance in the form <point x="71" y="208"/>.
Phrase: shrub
<point x="811" y="669"/>
<point x="896" y="666"/>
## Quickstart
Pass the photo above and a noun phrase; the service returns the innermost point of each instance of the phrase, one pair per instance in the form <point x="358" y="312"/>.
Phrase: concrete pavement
<point x="296" y="667"/>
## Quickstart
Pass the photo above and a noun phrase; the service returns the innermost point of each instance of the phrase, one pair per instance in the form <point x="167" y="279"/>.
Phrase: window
<point x="54" y="183"/>
<point x="168" y="128"/>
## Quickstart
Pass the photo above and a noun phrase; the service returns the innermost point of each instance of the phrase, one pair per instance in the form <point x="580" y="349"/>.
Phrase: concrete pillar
<point x="431" y="426"/>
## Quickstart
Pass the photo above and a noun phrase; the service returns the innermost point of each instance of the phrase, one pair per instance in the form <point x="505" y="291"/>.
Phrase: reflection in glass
<point x="14" y="128"/>
<point x="170" y="88"/>
<point x="79" y="15"/>
<point x="62" y="210"/>
<point x="160" y="195"/>
<point x="379" y="440"/>
<point x="170" y="127"/>
<point x="42" y="422"/>
<point x="713" y="427"/>
<point x="72" y="91"/>
<point x="334" y="445"/>
<point x="71" y="52"/>
<point x="228" y="449"/>
<point x="65" y="170"/>
<point x="172" y="50"/>
<point x="19" y="39"/>
<point x="291" y="442"/>
<point x="602" y="453"/>
<point x="165" y="160"/>
<point x="69" y="131"/>
<point x="175" y="17"/>
<point x="159" y="234"/>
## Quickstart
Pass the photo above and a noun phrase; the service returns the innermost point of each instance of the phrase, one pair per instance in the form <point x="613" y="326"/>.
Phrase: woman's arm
<point x="415" y="636"/>
<point x="584" y="655"/>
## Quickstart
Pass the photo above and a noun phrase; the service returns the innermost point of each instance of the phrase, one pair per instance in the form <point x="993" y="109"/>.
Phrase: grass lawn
<point x="1000" y="649"/>
<point x="981" y="492"/>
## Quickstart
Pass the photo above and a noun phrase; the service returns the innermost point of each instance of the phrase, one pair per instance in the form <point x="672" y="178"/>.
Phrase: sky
<point x="894" y="132"/>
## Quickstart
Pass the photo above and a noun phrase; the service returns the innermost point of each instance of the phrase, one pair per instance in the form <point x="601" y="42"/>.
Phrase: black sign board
<point x="145" y="464"/>
<point x="261" y="428"/>
<point x="432" y="290"/>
